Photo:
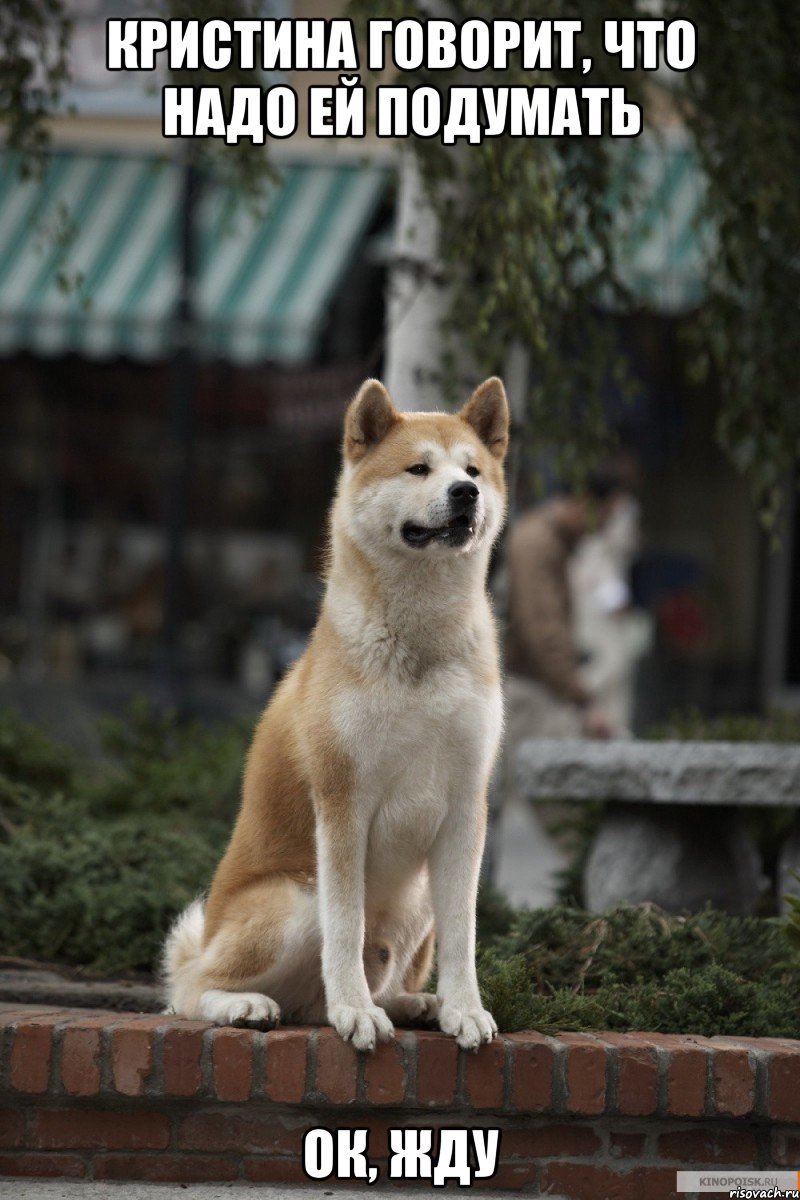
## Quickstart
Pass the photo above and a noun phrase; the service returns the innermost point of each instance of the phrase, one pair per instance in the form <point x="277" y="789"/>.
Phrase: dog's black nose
<point x="462" y="494"/>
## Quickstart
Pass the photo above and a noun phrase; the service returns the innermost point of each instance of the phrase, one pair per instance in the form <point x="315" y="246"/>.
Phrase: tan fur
<point x="417" y="974"/>
<point x="305" y="772"/>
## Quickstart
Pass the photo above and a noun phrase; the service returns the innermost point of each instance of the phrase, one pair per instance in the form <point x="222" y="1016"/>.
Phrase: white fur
<point x="184" y="942"/>
<point x="239" y="1008"/>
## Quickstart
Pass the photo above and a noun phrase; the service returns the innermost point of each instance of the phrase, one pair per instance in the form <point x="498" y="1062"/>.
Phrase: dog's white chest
<point x="415" y="751"/>
<point x="392" y="731"/>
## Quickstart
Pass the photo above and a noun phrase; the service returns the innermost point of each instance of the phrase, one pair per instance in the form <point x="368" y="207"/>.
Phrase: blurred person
<point x="611" y="634"/>
<point x="547" y="695"/>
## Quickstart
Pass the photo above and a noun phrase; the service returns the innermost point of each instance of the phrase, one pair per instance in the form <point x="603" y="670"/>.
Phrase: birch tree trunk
<point x="418" y="298"/>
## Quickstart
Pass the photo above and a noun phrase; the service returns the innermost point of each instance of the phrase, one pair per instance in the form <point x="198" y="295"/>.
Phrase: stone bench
<point x="672" y="831"/>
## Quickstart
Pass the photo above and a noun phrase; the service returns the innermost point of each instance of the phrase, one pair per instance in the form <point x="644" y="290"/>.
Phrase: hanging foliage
<point x="34" y="66"/>
<point x="530" y="213"/>
<point x="742" y="105"/>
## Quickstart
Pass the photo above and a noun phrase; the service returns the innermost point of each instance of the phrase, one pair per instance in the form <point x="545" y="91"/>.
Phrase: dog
<point x="363" y="812"/>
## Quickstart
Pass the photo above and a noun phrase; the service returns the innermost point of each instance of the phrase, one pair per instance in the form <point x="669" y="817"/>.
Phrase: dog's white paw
<point x="469" y="1026"/>
<point x="239" y="1008"/>
<point x="361" y="1026"/>
<point x="413" y="1006"/>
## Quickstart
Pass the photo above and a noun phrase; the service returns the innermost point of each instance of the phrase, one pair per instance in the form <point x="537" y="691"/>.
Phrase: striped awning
<point x="89" y="257"/>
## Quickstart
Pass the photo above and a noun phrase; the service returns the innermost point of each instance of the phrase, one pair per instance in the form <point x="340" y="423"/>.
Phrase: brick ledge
<point x="122" y="1095"/>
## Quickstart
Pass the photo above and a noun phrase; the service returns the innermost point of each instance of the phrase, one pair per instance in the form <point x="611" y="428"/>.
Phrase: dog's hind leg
<point x="261" y="959"/>
<point x="411" y="1003"/>
<point x="239" y="1008"/>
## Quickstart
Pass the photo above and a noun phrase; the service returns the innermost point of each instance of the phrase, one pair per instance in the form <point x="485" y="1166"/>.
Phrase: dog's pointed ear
<point x="487" y="412"/>
<point x="369" y="418"/>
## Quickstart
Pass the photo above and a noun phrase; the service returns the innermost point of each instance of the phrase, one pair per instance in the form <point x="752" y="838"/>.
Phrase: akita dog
<point x="363" y="814"/>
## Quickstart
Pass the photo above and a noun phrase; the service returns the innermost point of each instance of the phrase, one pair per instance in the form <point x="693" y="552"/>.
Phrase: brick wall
<point x="104" y="1095"/>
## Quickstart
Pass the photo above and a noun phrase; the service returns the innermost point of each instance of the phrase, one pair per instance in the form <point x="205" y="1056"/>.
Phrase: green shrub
<point x="100" y="894"/>
<point x="30" y="756"/>
<point x="567" y="947"/>
<point x="637" y="968"/>
<point x="160" y="765"/>
<point x="710" y="1002"/>
<point x="692" y="725"/>
<point x="95" y="863"/>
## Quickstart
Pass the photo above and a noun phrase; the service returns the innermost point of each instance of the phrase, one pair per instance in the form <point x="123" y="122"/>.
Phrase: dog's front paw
<point x="361" y="1026"/>
<point x="468" y="1025"/>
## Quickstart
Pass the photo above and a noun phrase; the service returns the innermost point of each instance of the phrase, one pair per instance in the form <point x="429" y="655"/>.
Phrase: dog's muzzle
<point x="462" y="498"/>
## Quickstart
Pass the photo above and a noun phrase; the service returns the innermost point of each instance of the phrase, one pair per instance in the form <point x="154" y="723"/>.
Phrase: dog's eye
<point x="472" y="471"/>
<point x="419" y="469"/>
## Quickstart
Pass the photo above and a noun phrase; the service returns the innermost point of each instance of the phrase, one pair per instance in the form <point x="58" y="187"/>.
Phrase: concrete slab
<point x="699" y="773"/>
<point x="56" y="1189"/>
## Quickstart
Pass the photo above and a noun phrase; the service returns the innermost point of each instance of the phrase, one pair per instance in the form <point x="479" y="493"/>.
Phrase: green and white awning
<point x="89" y="252"/>
<point x="663" y="245"/>
<point x="89" y="258"/>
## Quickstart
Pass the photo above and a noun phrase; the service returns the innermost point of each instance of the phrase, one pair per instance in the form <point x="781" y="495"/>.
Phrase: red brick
<point x="274" y="1170"/>
<point x="484" y="1072"/>
<point x="532" y="1059"/>
<point x="182" y="1049"/>
<point x="658" y="1183"/>
<point x="512" y="1177"/>
<point x="585" y="1075"/>
<point x="626" y="1145"/>
<point x="734" y="1083"/>
<point x="581" y="1181"/>
<point x="12" y="1128"/>
<point x="687" y="1072"/>
<point x="68" y="1129"/>
<point x="785" y="1148"/>
<point x="337" y="1064"/>
<point x="437" y="1062"/>
<point x="285" y="1079"/>
<point x="217" y="1132"/>
<point x="385" y="1073"/>
<point x="80" y="1061"/>
<point x="232" y="1063"/>
<point x="377" y="1130"/>
<point x="709" y="1147"/>
<point x="166" y="1168"/>
<point x="42" y="1166"/>
<point x="637" y="1074"/>
<point x="31" y="1054"/>
<point x="784" y="1085"/>
<point x="550" y="1141"/>
<point x="131" y="1059"/>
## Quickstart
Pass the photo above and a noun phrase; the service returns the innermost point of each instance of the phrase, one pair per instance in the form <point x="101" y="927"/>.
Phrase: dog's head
<point x="427" y="484"/>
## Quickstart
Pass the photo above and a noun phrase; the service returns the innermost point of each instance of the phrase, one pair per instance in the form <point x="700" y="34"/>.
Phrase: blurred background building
<point x="166" y="403"/>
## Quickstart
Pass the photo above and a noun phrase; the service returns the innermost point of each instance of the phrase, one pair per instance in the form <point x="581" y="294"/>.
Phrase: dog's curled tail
<point x="182" y="950"/>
